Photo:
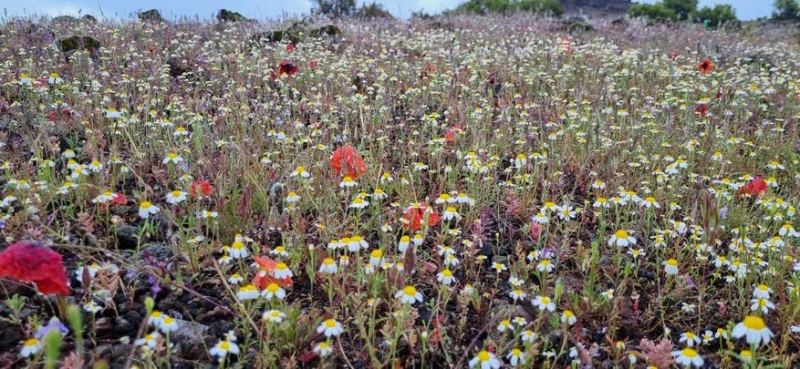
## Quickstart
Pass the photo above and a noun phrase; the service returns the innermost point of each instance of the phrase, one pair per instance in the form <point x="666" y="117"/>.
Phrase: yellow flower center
<point x="672" y="262"/>
<point x="754" y="322"/>
<point x="483" y="355"/>
<point x="410" y="291"/>
<point x="273" y="287"/>
<point x="172" y="155"/>
<point x="376" y="253"/>
<point x="691" y="353"/>
<point x="224" y="345"/>
<point x="621" y="234"/>
<point x="447" y="273"/>
<point x="328" y="261"/>
<point x="237" y="245"/>
<point x="545" y="300"/>
<point x="31" y="342"/>
<point x="176" y="193"/>
<point x="145" y="205"/>
<point x="330" y="323"/>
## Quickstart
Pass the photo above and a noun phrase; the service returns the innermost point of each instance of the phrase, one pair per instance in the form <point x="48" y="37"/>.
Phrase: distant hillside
<point x="596" y="7"/>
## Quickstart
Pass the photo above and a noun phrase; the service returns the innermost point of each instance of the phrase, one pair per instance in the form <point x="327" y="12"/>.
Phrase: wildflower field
<point x="469" y="192"/>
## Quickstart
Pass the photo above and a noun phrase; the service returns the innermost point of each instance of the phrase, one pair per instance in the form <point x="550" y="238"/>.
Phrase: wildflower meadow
<point x="460" y="192"/>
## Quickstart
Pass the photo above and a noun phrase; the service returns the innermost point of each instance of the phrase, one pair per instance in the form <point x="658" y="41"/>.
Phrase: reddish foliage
<point x="30" y="262"/>
<point x="345" y="161"/>
<point x="536" y="230"/>
<point x="756" y="187"/>
<point x="705" y="66"/>
<point x="313" y="64"/>
<point x="263" y="278"/>
<point x="60" y="115"/>
<point x="203" y="188"/>
<point x="414" y="216"/>
<point x="307" y="356"/>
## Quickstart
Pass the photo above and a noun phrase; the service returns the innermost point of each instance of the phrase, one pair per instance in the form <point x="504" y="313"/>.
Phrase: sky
<point x="263" y="9"/>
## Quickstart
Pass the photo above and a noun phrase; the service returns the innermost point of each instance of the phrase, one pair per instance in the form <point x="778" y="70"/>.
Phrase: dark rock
<point x="123" y="326"/>
<point x="89" y="18"/>
<point x="178" y="67"/>
<point x="276" y="36"/>
<point x="159" y="251"/>
<point x="152" y="15"/>
<point x="619" y="23"/>
<point x="69" y="45"/>
<point x="193" y="338"/>
<point x="576" y="24"/>
<point x="226" y="15"/>
<point x="329" y="30"/>
<point x="65" y="19"/>
<point x="111" y="352"/>
<point x="127" y="237"/>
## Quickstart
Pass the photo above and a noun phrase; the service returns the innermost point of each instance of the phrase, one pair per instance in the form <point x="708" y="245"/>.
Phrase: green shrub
<point x="373" y="11"/>
<point x="656" y="12"/>
<point x="786" y="9"/>
<point x="505" y="6"/>
<point x="682" y="8"/>
<point x="716" y="16"/>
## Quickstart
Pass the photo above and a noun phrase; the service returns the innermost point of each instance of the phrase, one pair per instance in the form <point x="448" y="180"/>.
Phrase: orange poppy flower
<point x="264" y="276"/>
<point x="346" y="162"/>
<point x="450" y="135"/>
<point x="415" y="215"/>
<point x="705" y="66"/>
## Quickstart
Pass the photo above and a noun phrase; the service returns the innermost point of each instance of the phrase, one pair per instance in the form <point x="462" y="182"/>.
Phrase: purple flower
<point x="723" y="213"/>
<point x="153" y="284"/>
<point x="54" y="325"/>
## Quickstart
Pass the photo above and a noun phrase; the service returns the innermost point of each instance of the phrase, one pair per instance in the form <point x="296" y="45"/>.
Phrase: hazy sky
<point x="261" y="9"/>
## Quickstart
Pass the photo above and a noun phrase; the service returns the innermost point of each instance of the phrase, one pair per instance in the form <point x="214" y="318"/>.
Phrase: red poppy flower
<point x="705" y="66"/>
<point x="701" y="109"/>
<point x="674" y="55"/>
<point x="289" y="48"/>
<point x="756" y="187"/>
<point x="415" y="215"/>
<point x="285" y="67"/>
<point x="264" y="276"/>
<point x="119" y="199"/>
<point x="203" y="188"/>
<point x="313" y="64"/>
<point x="30" y="262"/>
<point x="345" y="161"/>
